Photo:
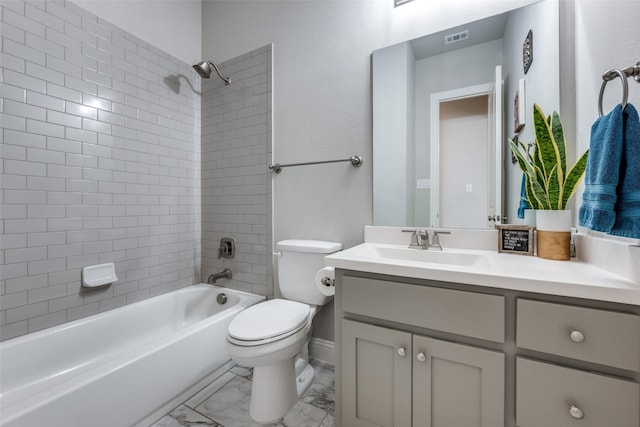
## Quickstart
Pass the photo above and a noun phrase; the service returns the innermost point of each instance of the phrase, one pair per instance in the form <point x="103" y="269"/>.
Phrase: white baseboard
<point x="322" y="350"/>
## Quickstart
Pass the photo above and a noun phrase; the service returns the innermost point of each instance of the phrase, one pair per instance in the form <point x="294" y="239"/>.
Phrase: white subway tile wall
<point x="100" y="162"/>
<point x="236" y="183"/>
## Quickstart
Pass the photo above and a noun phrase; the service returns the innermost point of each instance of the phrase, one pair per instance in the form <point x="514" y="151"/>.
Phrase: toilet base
<point x="305" y="377"/>
<point x="276" y="389"/>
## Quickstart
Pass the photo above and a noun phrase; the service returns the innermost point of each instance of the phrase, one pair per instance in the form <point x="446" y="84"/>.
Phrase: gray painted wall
<point x="540" y="86"/>
<point x="184" y="41"/>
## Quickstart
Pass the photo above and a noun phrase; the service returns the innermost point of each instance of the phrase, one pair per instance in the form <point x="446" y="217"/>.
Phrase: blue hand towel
<point x="524" y="204"/>
<point x="628" y="205"/>
<point x="603" y="172"/>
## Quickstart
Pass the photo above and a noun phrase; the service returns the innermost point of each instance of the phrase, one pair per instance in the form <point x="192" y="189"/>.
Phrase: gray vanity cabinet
<point x="392" y="376"/>
<point x="420" y="353"/>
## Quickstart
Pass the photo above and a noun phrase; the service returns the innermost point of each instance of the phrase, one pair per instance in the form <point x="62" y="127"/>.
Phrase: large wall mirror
<point x="443" y="111"/>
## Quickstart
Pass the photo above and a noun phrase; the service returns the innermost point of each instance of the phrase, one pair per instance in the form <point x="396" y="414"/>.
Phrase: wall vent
<point x="457" y="37"/>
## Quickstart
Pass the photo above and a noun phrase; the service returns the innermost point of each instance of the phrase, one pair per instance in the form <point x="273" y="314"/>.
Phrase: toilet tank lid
<point x="313" y="246"/>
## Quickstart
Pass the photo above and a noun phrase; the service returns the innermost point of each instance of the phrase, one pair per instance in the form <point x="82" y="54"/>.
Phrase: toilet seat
<point x="267" y="322"/>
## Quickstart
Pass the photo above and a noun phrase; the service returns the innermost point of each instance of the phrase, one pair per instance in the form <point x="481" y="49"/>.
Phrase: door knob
<point x="421" y="357"/>
<point x="401" y="351"/>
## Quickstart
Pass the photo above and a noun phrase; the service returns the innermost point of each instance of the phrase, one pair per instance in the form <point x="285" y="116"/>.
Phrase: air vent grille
<point x="457" y="37"/>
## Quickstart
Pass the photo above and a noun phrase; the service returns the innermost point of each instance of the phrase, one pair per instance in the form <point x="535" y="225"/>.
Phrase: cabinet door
<point x="376" y="376"/>
<point x="456" y="385"/>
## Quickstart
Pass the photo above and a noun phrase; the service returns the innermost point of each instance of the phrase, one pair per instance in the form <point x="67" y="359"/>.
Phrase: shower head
<point x="204" y="69"/>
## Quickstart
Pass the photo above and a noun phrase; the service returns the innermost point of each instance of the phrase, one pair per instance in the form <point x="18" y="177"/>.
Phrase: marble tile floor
<point x="225" y="402"/>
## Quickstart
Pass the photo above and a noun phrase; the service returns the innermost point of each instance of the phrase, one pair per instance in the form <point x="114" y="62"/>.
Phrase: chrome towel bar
<point x="356" y="161"/>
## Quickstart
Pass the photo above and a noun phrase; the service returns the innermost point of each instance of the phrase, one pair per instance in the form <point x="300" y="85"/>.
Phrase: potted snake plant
<point x="549" y="183"/>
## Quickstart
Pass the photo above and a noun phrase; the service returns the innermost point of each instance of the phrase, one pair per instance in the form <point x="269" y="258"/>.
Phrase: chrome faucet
<point x="420" y="239"/>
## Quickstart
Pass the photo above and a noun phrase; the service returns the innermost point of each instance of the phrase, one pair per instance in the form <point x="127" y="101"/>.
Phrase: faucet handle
<point x="435" y="240"/>
<point x="419" y="238"/>
<point x="414" y="237"/>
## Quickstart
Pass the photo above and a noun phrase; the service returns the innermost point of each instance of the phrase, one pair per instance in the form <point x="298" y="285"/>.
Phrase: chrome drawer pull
<point x="421" y="357"/>
<point x="576" y="336"/>
<point x="401" y="352"/>
<point x="576" y="412"/>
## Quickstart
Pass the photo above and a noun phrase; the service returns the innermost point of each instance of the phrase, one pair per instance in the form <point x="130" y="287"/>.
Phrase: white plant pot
<point x="530" y="217"/>
<point x="547" y="220"/>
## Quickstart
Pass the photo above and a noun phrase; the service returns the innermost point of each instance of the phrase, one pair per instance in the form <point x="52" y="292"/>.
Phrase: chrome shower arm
<point x="227" y="80"/>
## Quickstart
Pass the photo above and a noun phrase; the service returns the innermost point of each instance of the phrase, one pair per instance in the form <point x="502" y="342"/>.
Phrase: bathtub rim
<point x="77" y="322"/>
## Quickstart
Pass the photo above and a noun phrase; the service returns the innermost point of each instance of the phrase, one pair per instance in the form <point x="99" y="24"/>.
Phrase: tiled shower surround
<point x="100" y="163"/>
<point x="236" y="184"/>
<point x="101" y="156"/>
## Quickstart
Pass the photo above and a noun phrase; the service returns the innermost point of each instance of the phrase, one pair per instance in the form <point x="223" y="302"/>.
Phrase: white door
<point x="464" y="133"/>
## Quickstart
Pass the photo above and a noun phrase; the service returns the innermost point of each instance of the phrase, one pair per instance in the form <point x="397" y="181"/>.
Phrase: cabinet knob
<point x="401" y="351"/>
<point x="576" y="412"/>
<point x="421" y="357"/>
<point x="576" y="336"/>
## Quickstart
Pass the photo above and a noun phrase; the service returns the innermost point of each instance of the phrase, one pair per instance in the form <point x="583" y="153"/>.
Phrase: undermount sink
<point x="400" y="253"/>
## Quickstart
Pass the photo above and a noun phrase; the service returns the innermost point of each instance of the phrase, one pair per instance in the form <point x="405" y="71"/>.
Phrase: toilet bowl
<point x="273" y="352"/>
<point x="273" y="336"/>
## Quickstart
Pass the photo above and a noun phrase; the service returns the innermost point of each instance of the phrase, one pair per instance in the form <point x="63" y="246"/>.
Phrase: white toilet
<point x="273" y="336"/>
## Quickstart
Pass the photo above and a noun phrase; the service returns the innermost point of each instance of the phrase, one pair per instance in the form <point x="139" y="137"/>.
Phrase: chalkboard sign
<point x="515" y="239"/>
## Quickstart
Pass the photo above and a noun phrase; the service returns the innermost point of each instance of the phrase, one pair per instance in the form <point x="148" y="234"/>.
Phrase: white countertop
<point x="574" y="278"/>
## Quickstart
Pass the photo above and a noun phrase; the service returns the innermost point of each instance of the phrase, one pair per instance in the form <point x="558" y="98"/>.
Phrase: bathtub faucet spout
<point x="224" y="274"/>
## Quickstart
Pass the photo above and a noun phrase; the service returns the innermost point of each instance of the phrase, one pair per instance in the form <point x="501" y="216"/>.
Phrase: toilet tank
<point x="297" y="268"/>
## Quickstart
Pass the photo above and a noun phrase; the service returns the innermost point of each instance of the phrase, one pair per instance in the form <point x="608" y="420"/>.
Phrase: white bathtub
<point x="117" y="368"/>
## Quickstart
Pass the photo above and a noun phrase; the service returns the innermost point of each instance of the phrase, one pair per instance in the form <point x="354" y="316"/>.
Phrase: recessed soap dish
<point x="99" y="275"/>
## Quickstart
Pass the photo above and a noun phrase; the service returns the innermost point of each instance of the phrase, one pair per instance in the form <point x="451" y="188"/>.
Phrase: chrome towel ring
<point x="633" y="71"/>
<point x="607" y="77"/>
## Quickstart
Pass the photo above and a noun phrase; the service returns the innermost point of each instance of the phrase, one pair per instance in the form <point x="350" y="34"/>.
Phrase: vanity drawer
<point x="459" y="312"/>
<point x="593" y="335"/>
<point x="546" y="393"/>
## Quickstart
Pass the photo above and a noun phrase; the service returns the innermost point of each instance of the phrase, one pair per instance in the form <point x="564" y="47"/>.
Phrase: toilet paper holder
<point x="327" y="281"/>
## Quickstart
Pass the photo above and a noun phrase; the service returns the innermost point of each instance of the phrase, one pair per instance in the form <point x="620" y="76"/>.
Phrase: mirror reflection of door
<point x="466" y="156"/>
<point x="464" y="136"/>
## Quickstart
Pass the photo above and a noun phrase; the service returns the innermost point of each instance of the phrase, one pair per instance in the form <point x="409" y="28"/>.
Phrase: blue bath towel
<point x="603" y="172"/>
<point x="628" y="205"/>
<point x="524" y="204"/>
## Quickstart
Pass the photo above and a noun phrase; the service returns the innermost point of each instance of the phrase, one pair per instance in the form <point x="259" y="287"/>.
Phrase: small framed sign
<point x="515" y="239"/>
